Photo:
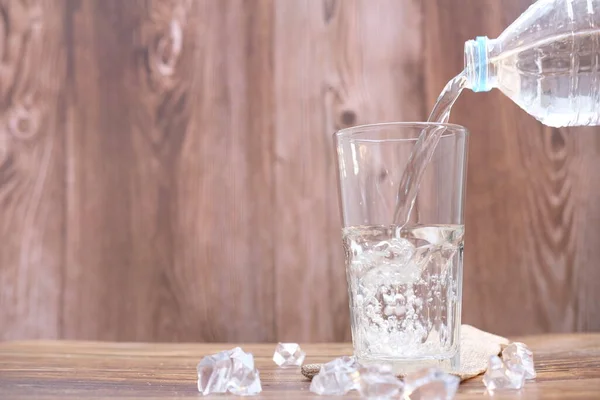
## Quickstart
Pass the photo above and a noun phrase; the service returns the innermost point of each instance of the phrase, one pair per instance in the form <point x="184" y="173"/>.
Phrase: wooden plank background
<point x="167" y="174"/>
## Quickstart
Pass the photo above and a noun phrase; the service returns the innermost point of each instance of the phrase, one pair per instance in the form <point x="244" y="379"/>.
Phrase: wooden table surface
<point x="568" y="367"/>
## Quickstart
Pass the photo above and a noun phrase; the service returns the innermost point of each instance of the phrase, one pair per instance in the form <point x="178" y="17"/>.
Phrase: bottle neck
<point x="481" y="73"/>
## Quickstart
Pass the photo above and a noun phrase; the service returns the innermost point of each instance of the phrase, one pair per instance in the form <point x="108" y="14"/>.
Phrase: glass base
<point x="403" y="366"/>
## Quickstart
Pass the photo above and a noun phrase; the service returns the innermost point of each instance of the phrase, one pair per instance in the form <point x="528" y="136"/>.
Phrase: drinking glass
<point x="404" y="280"/>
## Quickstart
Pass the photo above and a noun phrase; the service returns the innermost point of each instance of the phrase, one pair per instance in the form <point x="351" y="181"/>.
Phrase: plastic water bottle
<point x="547" y="62"/>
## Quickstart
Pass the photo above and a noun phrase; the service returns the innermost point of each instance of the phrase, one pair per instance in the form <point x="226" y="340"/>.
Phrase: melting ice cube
<point x="231" y="370"/>
<point x="517" y="356"/>
<point x="430" y="384"/>
<point x="337" y="377"/>
<point x="244" y="380"/>
<point x="288" y="355"/>
<point x="499" y="377"/>
<point x="214" y="372"/>
<point x="377" y="382"/>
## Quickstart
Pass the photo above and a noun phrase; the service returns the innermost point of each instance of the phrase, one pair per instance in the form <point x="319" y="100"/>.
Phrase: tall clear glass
<point x="404" y="283"/>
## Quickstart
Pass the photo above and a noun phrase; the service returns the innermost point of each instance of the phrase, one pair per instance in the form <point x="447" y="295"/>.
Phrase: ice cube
<point x="517" y="356"/>
<point x="377" y="382"/>
<point x="430" y="384"/>
<point x="337" y="377"/>
<point x="214" y="372"/>
<point x="499" y="377"/>
<point x="396" y="250"/>
<point x="390" y="263"/>
<point x="288" y="355"/>
<point x="244" y="379"/>
<point x="231" y="370"/>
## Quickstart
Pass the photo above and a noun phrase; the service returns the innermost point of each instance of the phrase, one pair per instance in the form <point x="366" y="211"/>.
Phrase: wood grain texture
<point x="568" y="366"/>
<point x="170" y="182"/>
<point x="225" y="180"/>
<point x="32" y="195"/>
<point x="167" y="174"/>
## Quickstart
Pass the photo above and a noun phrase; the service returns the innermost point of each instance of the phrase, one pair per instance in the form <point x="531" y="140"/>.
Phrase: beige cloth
<point x="476" y="347"/>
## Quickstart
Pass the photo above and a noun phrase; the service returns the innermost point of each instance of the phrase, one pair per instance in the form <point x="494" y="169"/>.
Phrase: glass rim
<point x="350" y="131"/>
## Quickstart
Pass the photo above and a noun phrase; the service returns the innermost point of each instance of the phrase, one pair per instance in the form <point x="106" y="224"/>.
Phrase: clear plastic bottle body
<point x="547" y="62"/>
